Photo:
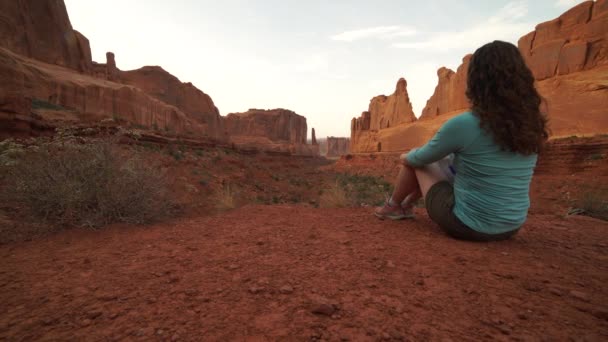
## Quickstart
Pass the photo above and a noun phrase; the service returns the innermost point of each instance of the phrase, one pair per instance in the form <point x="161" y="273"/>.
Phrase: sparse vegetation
<point x="594" y="203"/>
<point x="86" y="184"/>
<point x="41" y="104"/>
<point x="225" y="198"/>
<point x="335" y="197"/>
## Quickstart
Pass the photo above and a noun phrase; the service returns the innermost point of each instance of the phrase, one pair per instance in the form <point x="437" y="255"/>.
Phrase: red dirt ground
<point x="258" y="272"/>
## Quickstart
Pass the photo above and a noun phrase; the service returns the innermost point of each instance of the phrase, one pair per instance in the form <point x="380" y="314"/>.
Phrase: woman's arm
<point x="450" y="138"/>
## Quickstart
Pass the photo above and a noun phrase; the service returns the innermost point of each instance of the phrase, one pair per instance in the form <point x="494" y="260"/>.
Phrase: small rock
<point x="160" y="332"/>
<point x="286" y="289"/>
<point x="420" y="282"/>
<point x="256" y="289"/>
<point x="385" y="336"/>
<point x="522" y="316"/>
<point x="175" y="337"/>
<point x="86" y="322"/>
<point x="173" y="279"/>
<point x="113" y="315"/>
<point x="580" y="295"/>
<point x="233" y="267"/>
<point x="390" y="264"/>
<point x="556" y="292"/>
<point x="151" y="300"/>
<point x="191" y="292"/>
<point x="94" y="314"/>
<point x="336" y="316"/>
<point x="323" y="309"/>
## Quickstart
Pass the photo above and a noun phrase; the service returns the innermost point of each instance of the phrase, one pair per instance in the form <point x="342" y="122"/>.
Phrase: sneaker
<point x="390" y="212"/>
<point x="408" y="212"/>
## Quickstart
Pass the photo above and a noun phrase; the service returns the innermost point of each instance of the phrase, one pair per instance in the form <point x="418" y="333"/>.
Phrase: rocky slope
<point x="569" y="59"/>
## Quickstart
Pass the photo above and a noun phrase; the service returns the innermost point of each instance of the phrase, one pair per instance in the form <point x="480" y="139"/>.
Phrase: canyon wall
<point x="337" y="147"/>
<point x="569" y="59"/>
<point x="58" y="71"/>
<point x="274" y="130"/>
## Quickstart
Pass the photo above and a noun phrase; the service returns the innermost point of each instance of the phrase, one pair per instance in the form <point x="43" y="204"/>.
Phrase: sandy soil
<point x="299" y="273"/>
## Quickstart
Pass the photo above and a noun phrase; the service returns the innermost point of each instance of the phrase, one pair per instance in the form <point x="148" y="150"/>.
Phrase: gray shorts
<point x="439" y="203"/>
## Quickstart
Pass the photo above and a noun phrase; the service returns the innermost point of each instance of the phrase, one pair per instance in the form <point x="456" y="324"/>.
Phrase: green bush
<point x="87" y="185"/>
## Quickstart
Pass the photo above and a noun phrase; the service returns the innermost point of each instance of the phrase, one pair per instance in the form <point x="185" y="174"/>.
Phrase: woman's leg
<point x="411" y="184"/>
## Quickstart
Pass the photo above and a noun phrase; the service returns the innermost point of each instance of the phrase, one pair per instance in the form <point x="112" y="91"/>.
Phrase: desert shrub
<point x="335" y="197"/>
<point x="91" y="185"/>
<point x="225" y="198"/>
<point x="594" y="203"/>
<point x="41" y="104"/>
<point x="365" y="190"/>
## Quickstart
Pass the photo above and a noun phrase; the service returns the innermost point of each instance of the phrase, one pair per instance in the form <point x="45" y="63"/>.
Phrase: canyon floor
<point x="292" y="271"/>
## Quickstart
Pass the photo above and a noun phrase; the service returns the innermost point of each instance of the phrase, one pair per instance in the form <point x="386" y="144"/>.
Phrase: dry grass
<point x="335" y="197"/>
<point x="594" y="203"/>
<point x="225" y="198"/>
<point x="91" y="185"/>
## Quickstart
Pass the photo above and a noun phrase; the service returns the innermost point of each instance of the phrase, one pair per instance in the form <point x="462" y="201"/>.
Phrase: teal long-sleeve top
<point x="491" y="186"/>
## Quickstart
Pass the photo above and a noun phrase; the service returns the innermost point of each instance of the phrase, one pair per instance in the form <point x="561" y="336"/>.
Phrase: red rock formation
<point x="577" y="40"/>
<point x="42" y="30"/>
<point x="337" y="146"/>
<point x="314" y="137"/>
<point x="277" y="130"/>
<point x="160" y="84"/>
<point x="449" y="94"/>
<point x="79" y="97"/>
<point x="569" y="58"/>
<point x="387" y="111"/>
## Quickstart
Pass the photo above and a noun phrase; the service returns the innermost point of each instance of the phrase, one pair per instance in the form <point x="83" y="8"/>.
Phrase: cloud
<point x="567" y="3"/>
<point x="379" y="32"/>
<point x="505" y="25"/>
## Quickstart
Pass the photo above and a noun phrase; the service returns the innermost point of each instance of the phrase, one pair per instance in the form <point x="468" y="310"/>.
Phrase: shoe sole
<point x="394" y="218"/>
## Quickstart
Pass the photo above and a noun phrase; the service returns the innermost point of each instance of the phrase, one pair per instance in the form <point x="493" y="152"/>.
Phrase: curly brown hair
<point x="501" y="90"/>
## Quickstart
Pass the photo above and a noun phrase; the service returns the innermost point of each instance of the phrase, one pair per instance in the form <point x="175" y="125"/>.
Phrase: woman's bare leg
<point x="405" y="186"/>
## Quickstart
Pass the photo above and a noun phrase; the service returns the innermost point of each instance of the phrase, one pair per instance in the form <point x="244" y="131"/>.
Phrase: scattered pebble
<point x="286" y="289"/>
<point x="390" y="264"/>
<point x="556" y="292"/>
<point x="580" y="295"/>
<point x="256" y="289"/>
<point x="233" y="267"/>
<point x="323" y="309"/>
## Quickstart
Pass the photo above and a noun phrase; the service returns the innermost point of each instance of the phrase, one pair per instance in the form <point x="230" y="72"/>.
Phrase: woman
<point x="494" y="147"/>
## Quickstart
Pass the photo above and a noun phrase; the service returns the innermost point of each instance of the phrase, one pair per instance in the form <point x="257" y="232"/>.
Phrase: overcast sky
<point x="324" y="59"/>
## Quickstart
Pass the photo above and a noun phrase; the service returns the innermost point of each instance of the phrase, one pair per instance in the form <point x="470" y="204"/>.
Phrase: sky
<point x="324" y="59"/>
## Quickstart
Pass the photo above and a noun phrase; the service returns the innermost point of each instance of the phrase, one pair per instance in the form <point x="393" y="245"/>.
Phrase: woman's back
<point x="491" y="187"/>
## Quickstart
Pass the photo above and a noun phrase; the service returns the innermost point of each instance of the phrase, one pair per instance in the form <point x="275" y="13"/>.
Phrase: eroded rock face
<point x="569" y="59"/>
<point x="160" y="84"/>
<point x="42" y="30"/>
<point x="337" y="146"/>
<point x="449" y="94"/>
<point x="388" y="111"/>
<point x="314" y="137"/>
<point x="577" y="40"/>
<point x="60" y="97"/>
<point x="280" y="125"/>
<point x="274" y="130"/>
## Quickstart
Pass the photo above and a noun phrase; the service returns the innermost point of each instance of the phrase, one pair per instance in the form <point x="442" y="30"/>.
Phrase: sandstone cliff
<point x="337" y="146"/>
<point x="42" y="30"/>
<point x="569" y="59"/>
<point x="275" y="130"/>
<point x="577" y="40"/>
<point x="34" y="92"/>
<point x="449" y="94"/>
<point x="387" y="111"/>
<point x="150" y="96"/>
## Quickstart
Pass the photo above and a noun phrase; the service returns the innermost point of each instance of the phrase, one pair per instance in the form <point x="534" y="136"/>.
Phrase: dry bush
<point x="90" y="185"/>
<point x="225" y="198"/>
<point x="335" y="197"/>
<point x="594" y="203"/>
